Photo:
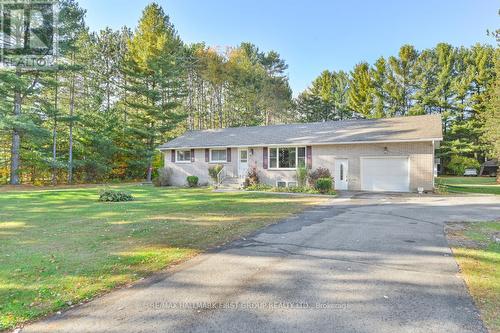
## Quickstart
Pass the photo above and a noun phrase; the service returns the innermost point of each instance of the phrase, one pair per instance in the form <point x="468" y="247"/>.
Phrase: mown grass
<point x="479" y="261"/>
<point x="486" y="185"/>
<point x="61" y="247"/>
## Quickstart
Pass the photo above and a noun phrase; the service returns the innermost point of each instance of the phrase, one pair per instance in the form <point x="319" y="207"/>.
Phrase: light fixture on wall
<point x="251" y="151"/>
<point x="386" y="150"/>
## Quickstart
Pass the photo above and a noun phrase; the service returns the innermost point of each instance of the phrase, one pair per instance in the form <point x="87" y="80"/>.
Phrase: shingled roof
<point x="412" y="128"/>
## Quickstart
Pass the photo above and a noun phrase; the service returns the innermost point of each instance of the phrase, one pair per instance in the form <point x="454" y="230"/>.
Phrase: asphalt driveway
<point x="373" y="263"/>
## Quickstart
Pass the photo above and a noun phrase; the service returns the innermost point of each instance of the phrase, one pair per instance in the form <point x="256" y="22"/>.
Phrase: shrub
<point x="192" y="181"/>
<point x="252" y="178"/>
<point x="115" y="196"/>
<point x="269" y="188"/>
<point x="213" y="171"/>
<point x="296" y="189"/>
<point x="301" y="177"/>
<point x="323" y="185"/>
<point x="259" y="187"/>
<point x="440" y="187"/>
<point x="317" y="174"/>
<point x="458" y="164"/>
<point x="163" y="177"/>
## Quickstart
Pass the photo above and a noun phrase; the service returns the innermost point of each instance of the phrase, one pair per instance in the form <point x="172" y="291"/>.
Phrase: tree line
<point x="115" y="95"/>
<point x="455" y="82"/>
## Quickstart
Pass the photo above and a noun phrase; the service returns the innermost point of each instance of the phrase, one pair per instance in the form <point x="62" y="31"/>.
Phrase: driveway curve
<point x="370" y="263"/>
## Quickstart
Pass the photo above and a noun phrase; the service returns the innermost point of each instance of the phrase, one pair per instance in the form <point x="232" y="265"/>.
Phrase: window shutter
<point x="172" y="155"/>
<point x="264" y="158"/>
<point x="228" y="155"/>
<point x="207" y="155"/>
<point x="192" y="155"/>
<point x="309" y="156"/>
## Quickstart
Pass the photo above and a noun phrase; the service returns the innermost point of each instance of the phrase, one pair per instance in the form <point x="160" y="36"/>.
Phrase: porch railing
<point x="220" y="176"/>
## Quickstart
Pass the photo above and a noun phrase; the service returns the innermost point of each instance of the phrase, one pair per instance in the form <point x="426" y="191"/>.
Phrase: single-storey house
<point x="391" y="154"/>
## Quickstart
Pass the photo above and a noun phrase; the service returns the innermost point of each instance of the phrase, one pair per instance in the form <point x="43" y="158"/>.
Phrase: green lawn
<point x="60" y="247"/>
<point x="478" y="254"/>
<point x="485" y="185"/>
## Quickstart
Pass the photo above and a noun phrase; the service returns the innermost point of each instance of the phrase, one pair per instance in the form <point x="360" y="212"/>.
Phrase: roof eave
<point x="306" y="144"/>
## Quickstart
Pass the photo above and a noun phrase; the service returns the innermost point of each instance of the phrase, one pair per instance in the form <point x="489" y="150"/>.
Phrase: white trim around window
<point x="185" y="154"/>
<point x="219" y="153"/>
<point x="276" y="156"/>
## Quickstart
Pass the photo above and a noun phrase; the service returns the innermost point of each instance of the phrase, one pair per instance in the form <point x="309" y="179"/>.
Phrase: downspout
<point x="434" y="171"/>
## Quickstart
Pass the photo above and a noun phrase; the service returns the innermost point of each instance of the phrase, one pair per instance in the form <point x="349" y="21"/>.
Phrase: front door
<point x="341" y="172"/>
<point x="242" y="162"/>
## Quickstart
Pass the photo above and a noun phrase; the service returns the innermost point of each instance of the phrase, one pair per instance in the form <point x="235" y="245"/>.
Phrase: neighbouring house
<point x="391" y="154"/>
<point x="489" y="168"/>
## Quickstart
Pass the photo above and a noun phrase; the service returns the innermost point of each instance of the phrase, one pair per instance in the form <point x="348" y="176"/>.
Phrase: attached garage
<point x="386" y="173"/>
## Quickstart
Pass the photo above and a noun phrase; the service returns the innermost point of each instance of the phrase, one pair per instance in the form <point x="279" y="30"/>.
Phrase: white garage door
<point x="385" y="174"/>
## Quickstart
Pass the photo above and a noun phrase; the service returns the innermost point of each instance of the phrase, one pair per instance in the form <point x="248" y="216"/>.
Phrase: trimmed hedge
<point x="318" y="174"/>
<point x="323" y="185"/>
<point x="192" y="181"/>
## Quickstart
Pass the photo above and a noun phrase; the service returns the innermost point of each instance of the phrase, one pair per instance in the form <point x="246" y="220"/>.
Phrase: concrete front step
<point x="232" y="183"/>
<point x="227" y="188"/>
<point x="231" y="180"/>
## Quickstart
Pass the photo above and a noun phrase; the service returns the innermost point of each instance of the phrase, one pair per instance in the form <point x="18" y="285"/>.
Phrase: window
<point x="287" y="157"/>
<point x="301" y="157"/>
<point x="243" y="156"/>
<point x="183" y="155"/>
<point x="283" y="183"/>
<point x="280" y="183"/>
<point x="218" y="155"/>
<point x="273" y="158"/>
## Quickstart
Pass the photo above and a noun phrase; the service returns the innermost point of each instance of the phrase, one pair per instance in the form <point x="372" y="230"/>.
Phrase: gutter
<point x="305" y="144"/>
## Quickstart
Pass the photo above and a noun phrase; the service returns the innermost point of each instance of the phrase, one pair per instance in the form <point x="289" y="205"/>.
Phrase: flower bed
<point x="269" y="188"/>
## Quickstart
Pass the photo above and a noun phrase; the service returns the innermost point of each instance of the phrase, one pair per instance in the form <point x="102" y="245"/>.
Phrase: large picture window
<point x="287" y="157"/>
<point x="218" y="155"/>
<point x="183" y="155"/>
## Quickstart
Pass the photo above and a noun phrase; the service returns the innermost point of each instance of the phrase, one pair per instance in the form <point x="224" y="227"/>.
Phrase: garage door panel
<point x="385" y="174"/>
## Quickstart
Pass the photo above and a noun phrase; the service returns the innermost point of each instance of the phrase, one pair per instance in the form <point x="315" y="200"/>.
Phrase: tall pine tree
<point x="153" y="67"/>
<point x="361" y="92"/>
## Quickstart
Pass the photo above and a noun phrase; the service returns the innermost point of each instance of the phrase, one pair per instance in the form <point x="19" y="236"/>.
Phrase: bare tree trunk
<point x="16" y="141"/>
<point x="149" y="174"/>
<point x="71" y="114"/>
<point x="219" y="106"/>
<point x="190" y="102"/>
<point x="150" y="162"/>
<point x="201" y="101"/>
<point x="54" y="135"/>
<point x="108" y="97"/>
<point x="15" y="148"/>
